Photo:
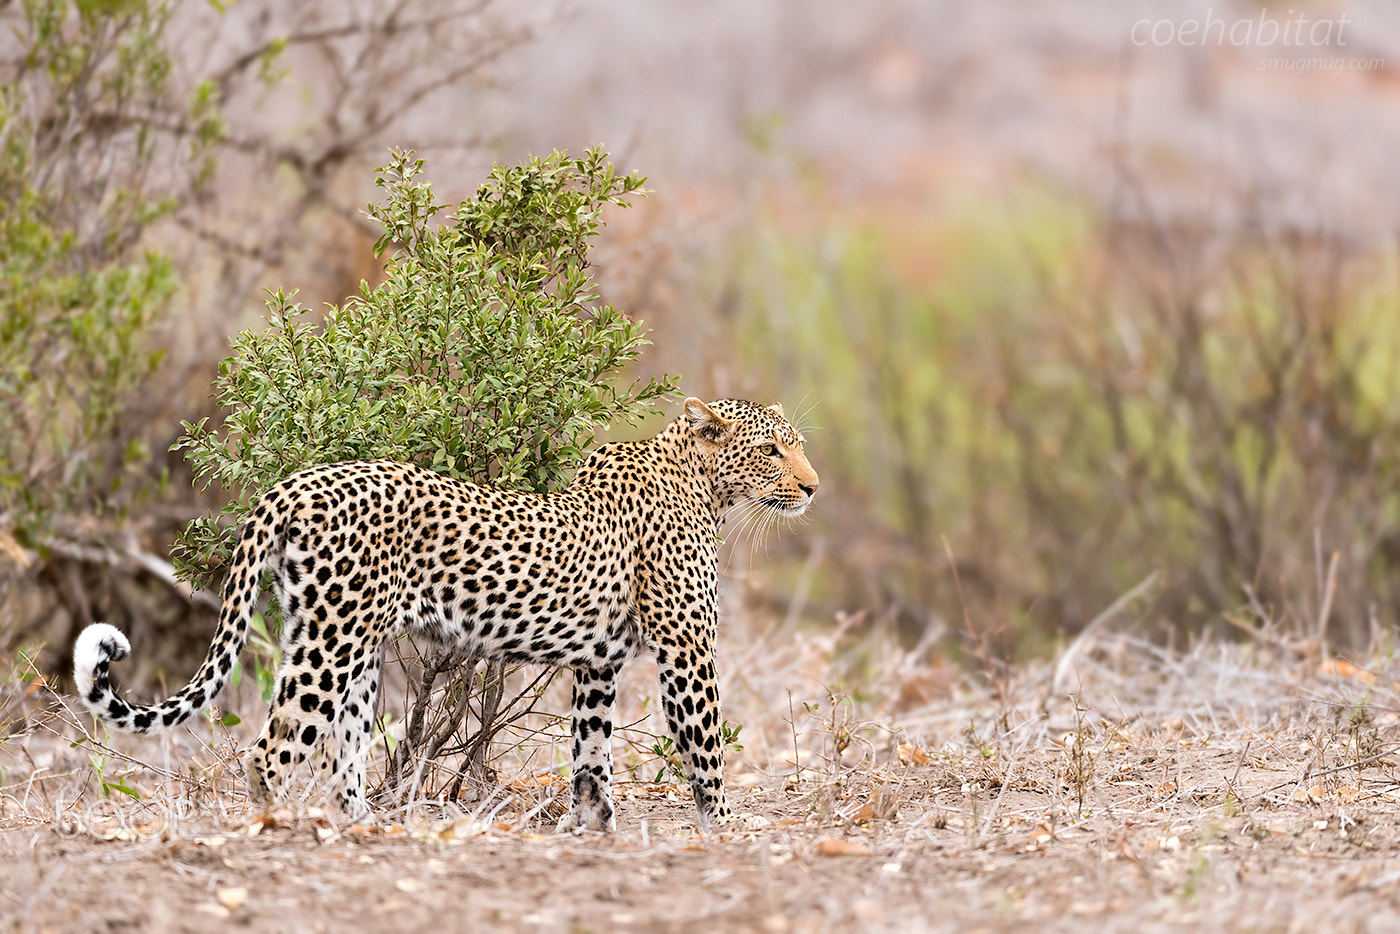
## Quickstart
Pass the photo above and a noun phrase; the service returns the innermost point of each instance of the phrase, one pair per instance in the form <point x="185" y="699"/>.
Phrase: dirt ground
<point x="962" y="864"/>
<point x="1215" y="789"/>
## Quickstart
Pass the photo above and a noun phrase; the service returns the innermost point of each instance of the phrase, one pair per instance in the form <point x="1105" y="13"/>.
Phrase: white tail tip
<point x="96" y="644"/>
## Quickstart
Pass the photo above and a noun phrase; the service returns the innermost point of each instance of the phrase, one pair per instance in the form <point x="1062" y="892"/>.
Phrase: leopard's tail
<point x="99" y="645"/>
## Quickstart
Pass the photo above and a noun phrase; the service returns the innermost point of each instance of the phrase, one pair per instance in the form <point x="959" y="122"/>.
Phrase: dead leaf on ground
<point x="1345" y="669"/>
<point x="279" y="818"/>
<point x="836" y="846"/>
<point x="119" y="834"/>
<point x="363" y="829"/>
<point x="461" y="829"/>
<point x="1316" y="794"/>
<point x="549" y="780"/>
<point x="325" y="833"/>
<point x="910" y="754"/>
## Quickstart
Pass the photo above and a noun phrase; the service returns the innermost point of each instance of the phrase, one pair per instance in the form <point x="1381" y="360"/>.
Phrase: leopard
<point x="621" y="561"/>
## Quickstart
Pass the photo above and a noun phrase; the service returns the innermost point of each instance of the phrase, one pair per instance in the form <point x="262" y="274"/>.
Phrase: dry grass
<point x="1240" y="785"/>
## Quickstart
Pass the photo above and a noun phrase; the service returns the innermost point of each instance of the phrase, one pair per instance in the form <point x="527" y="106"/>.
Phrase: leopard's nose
<point x="809" y="488"/>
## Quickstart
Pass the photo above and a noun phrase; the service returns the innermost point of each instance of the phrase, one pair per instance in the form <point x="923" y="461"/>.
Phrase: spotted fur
<point x="621" y="561"/>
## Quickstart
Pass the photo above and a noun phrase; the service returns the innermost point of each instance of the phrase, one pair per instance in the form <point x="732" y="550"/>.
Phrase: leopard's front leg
<point x="590" y="798"/>
<point x="690" y="699"/>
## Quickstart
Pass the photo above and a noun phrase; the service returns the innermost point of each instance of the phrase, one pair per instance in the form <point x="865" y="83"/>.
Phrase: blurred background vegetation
<point x="1059" y="312"/>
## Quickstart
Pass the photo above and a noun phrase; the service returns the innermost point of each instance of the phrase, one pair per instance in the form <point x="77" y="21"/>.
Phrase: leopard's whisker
<point x="751" y="512"/>
<point x="800" y="422"/>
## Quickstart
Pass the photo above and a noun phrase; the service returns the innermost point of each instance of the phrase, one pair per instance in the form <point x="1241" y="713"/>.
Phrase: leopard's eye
<point x="770" y="449"/>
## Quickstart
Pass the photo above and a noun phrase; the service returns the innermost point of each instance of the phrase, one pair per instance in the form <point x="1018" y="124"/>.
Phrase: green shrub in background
<point x="92" y="153"/>
<point x="897" y="344"/>
<point x="1074" y="401"/>
<point x="484" y="354"/>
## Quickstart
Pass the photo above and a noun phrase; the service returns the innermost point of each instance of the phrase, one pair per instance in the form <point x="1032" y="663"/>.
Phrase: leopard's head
<point x="758" y="455"/>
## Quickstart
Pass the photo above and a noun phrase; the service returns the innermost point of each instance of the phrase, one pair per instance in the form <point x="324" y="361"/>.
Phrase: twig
<point x="1327" y="594"/>
<point x="1234" y="779"/>
<point x="1258" y="633"/>
<point x="1098" y="622"/>
<point x="131" y="557"/>
<point x="493" y="687"/>
<point x="997" y="675"/>
<point x="796" y="759"/>
<point x="996" y="804"/>
<point x="1307" y="773"/>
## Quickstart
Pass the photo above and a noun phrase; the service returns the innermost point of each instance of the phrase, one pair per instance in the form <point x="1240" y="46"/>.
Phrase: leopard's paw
<point x="735" y="820"/>
<point x="577" y="822"/>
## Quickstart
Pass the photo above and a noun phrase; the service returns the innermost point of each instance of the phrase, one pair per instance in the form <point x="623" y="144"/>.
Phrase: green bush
<point x="1074" y="402"/>
<point x="87" y="163"/>
<point x="484" y="354"/>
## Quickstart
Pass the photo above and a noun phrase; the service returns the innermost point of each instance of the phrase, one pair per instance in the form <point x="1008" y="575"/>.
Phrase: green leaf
<point x="121" y="786"/>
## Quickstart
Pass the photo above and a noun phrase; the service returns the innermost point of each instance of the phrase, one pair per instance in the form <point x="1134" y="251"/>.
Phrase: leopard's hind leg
<point x="298" y="724"/>
<point x="348" y="755"/>
<point x="306" y="700"/>
<point x="590" y="799"/>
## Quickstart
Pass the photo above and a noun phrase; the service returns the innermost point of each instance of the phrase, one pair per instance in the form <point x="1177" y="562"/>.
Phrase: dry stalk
<point x="796" y="756"/>
<point x="1081" y="641"/>
<point x="997" y="670"/>
<point x="1328" y="593"/>
<point x="996" y="804"/>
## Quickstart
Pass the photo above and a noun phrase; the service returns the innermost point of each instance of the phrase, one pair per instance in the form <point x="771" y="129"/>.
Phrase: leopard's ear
<point x="777" y="409"/>
<point x="706" y="422"/>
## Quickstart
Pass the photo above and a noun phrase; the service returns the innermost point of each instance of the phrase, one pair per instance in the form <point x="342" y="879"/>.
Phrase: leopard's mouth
<point x="786" y="509"/>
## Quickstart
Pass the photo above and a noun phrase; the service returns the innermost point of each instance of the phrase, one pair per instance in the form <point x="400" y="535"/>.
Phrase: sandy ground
<point x="1310" y="868"/>
<point x="1171" y="818"/>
